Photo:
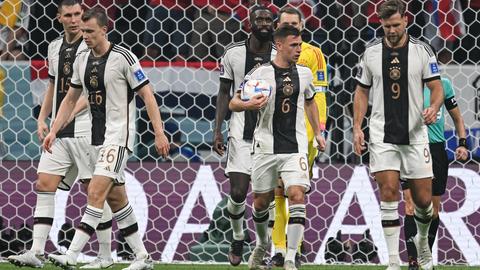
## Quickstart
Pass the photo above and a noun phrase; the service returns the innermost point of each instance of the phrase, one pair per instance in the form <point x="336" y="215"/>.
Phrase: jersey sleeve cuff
<point x="226" y="80"/>
<point x="363" y="85"/>
<point x="311" y="97"/>
<point x="431" y="79"/>
<point x="141" y="85"/>
<point x="78" y="86"/>
<point x="51" y="76"/>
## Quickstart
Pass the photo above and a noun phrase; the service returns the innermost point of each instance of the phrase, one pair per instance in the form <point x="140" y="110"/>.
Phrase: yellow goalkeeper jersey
<point x="312" y="57"/>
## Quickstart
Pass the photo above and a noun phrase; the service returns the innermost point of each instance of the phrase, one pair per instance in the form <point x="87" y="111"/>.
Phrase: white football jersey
<point x="110" y="82"/>
<point x="237" y="61"/>
<point x="396" y="80"/>
<point x="61" y="56"/>
<point x="281" y="125"/>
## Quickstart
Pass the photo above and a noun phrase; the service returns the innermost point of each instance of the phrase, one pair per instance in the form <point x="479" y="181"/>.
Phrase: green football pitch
<point x="6" y="266"/>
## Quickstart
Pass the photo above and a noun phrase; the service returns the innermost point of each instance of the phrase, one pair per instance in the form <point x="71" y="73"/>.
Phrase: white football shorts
<point x="412" y="161"/>
<point x="71" y="158"/>
<point x="239" y="158"/>
<point x="111" y="162"/>
<point x="268" y="168"/>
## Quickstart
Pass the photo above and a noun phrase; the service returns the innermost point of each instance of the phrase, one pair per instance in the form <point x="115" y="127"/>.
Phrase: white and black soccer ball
<point x="253" y="88"/>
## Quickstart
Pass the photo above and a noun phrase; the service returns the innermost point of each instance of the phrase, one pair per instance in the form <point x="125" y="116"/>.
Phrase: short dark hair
<point x="390" y="7"/>
<point x="97" y="13"/>
<point x="67" y="3"/>
<point x="290" y="10"/>
<point x="285" y="31"/>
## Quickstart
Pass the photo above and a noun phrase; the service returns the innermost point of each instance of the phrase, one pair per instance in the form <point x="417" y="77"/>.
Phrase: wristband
<point x="462" y="142"/>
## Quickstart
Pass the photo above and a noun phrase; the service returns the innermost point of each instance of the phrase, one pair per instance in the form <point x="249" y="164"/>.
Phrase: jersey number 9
<point x="395" y="90"/>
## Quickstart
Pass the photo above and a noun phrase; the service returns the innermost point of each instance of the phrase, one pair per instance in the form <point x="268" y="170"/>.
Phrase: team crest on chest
<point x="395" y="72"/>
<point x="94" y="81"/>
<point x="93" y="75"/>
<point x="67" y="68"/>
<point x="287" y="86"/>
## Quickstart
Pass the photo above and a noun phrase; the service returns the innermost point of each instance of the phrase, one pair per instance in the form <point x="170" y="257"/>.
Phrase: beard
<point x="262" y="36"/>
<point x="395" y="39"/>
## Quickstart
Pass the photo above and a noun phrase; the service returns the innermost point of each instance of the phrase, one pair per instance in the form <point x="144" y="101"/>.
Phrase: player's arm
<point x="81" y="105"/>
<point x="255" y="103"/>
<point x="161" y="142"/>
<point x="223" y="99"/>
<point x="45" y="111"/>
<point x="461" y="152"/>
<point x="312" y="114"/>
<point x="360" y="106"/>
<point x="64" y="112"/>
<point x="315" y="61"/>
<point x="436" y="100"/>
<point x="360" y="102"/>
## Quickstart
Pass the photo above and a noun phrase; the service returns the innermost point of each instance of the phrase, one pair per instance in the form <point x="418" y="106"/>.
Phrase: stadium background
<point x="179" y="201"/>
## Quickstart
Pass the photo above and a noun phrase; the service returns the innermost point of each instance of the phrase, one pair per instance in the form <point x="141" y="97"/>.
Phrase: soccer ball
<point x="253" y="88"/>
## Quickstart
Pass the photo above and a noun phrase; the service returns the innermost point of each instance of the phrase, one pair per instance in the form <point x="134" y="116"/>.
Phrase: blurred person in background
<point x="214" y="28"/>
<point x="14" y="19"/>
<point x="167" y="29"/>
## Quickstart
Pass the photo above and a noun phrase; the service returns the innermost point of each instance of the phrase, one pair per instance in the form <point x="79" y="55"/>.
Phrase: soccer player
<point x="239" y="59"/>
<point x="71" y="153"/>
<point x="311" y="57"/>
<point x="436" y="138"/>
<point x="280" y="143"/>
<point x="393" y="69"/>
<point x="110" y="75"/>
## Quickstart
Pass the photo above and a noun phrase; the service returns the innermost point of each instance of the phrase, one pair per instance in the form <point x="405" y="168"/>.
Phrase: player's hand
<point x="42" y="130"/>
<point x="321" y="144"/>
<point x="256" y="102"/>
<point x="358" y="141"/>
<point x="162" y="145"/>
<point x="461" y="153"/>
<point x="429" y="115"/>
<point x="48" y="142"/>
<point x="218" y="145"/>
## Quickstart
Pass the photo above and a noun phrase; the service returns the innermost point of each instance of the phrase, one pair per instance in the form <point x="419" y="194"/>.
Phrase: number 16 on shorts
<point x="111" y="161"/>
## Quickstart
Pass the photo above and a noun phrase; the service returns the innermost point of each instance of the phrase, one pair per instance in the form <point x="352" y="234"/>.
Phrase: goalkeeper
<point x="311" y="57"/>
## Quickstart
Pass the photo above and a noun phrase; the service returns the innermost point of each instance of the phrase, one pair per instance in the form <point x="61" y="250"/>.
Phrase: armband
<point x="450" y="103"/>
